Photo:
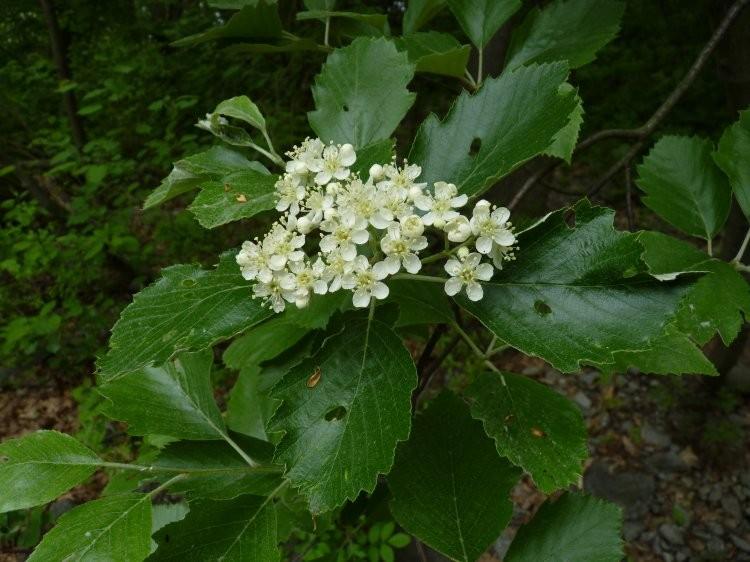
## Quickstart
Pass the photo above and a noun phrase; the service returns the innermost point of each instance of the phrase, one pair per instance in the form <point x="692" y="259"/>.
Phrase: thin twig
<point x="643" y="132"/>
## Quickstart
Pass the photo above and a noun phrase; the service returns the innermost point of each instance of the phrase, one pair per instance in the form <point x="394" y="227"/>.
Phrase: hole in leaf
<point x="542" y="308"/>
<point x="570" y="218"/>
<point x="336" y="413"/>
<point x="476" y="144"/>
<point x="345" y="107"/>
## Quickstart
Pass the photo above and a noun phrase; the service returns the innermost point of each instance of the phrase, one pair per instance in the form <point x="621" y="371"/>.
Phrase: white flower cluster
<point x="369" y="230"/>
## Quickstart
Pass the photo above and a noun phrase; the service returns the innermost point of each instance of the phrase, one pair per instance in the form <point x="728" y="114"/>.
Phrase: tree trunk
<point x="60" y="56"/>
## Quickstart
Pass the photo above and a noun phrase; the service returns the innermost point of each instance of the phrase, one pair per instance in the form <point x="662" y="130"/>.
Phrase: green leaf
<point x="399" y="540"/>
<point x="733" y="157"/>
<point x="240" y="529"/>
<point x="565" y="140"/>
<point x="438" y="53"/>
<point x="215" y="470"/>
<point x="116" y="528"/>
<point x="487" y="135"/>
<point x="188" y="308"/>
<point x="255" y="19"/>
<point x="701" y="314"/>
<point x="354" y="415"/>
<point x="576" y="527"/>
<point x="570" y="30"/>
<point x="684" y="186"/>
<point x="242" y="108"/>
<point x="421" y="303"/>
<point x="288" y="43"/>
<point x="250" y="407"/>
<point x="673" y="353"/>
<point x="450" y="488"/>
<point x="420" y="12"/>
<point x="174" y="399"/>
<point x="480" y="19"/>
<point x="360" y="94"/>
<point x="189" y="173"/>
<point x="40" y="466"/>
<point x="376" y="20"/>
<point x="577" y="294"/>
<point x="376" y="153"/>
<point x="237" y="196"/>
<point x="533" y="426"/>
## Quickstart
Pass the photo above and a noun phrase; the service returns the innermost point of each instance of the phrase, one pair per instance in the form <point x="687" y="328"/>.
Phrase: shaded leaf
<point x="373" y="19"/>
<point x="421" y="303"/>
<point x="174" y="399"/>
<point x="38" y="467"/>
<point x="570" y="30"/>
<point x="255" y="19"/>
<point x="341" y="431"/>
<point x="376" y="153"/>
<point x="565" y="140"/>
<point x="480" y="19"/>
<point x="577" y="294"/>
<point x="701" y="314"/>
<point x="450" y="488"/>
<point x="215" y="470"/>
<point x="684" y="186"/>
<point x="242" y="108"/>
<point x="420" y="12"/>
<point x="733" y="157"/>
<point x="116" y="528"/>
<point x="487" y="135"/>
<point x="438" y="53"/>
<point x="360" y="94"/>
<point x="188" y="308"/>
<point x="189" y="173"/>
<point x="240" y="529"/>
<point x="533" y="426"/>
<point x="237" y="196"/>
<point x="575" y="527"/>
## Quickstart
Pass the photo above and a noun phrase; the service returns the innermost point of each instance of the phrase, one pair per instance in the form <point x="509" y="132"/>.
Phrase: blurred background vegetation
<point x="97" y="104"/>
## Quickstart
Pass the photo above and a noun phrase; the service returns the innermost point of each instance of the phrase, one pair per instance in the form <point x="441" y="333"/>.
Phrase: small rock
<point x="681" y="557"/>
<point x="631" y="530"/>
<point x="745" y="479"/>
<point x="532" y="370"/>
<point x="672" y="533"/>
<point x="715" y="528"/>
<point x="582" y="400"/>
<point x="715" y="546"/>
<point x="61" y="506"/>
<point x="731" y="505"/>
<point x="590" y="377"/>
<point x="632" y="490"/>
<point x="667" y="461"/>
<point x="654" y="436"/>
<point x="740" y="543"/>
<point x="738" y="378"/>
<point x="715" y="494"/>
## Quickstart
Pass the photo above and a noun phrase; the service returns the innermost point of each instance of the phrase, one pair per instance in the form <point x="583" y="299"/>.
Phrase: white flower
<point x="400" y="250"/>
<point x="303" y="157"/>
<point x="491" y="226"/>
<point x="393" y="205"/>
<point x="458" y="229"/>
<point x="307" y="279"/>
<point x="411" y="226"/>
<point x="440" y="205"/>
<point x="358" y="198"/>
<point x="346" y="231"/>
<point x="501" y="254"/>
<point x="465" y="271"/>
<point x="253" y="262"/>
<point x="366" y="282"/>
<point x="404" y="178"/>
<point x="283" y="244"/>
<point x="377" y="172"/>
<point x="290" y="192"/>
<point x="280" y="285"/>
<point x="336" y="268"/>
<point x="334" y="163"/>
<point x="319" y="205"/>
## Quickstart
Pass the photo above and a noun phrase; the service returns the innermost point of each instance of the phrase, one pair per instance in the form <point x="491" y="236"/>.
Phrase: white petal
<point x="361" y="298"/>
<point x="393" y="264"/>
<point x="327" y="244"/>
<point x="348" y="281"/>
<point x="412" y="263"/>
<point x="459" y="201"/>
<point x="380" y="290"/>
<point x="504" y="238"/>
<point x="277" y="262"/>
<point x="347" y="156"/>
<point x="484" y="244"/>
<point x="428" y="219"/>
<point x="452" y="267"/>
<point x="473" y="259"/>
<point x="381" y="270"/>
<point x="320" y="287"/>
<point x="360" y="236"/>
<point x="474" y="291"/>
<point x="348" y="251"/>
<point x="452" y="286"/>
<point x="484" y="271"/>
<point x="424" y="203"/>
<point x="501" y="214"/>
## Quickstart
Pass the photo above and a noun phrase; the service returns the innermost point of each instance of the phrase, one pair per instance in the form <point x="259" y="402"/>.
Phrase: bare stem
<point x="742" y="249"/>
<point x="710" y="247"/>
<point x="327" y="31"/>
<point x="480" y="65"/>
